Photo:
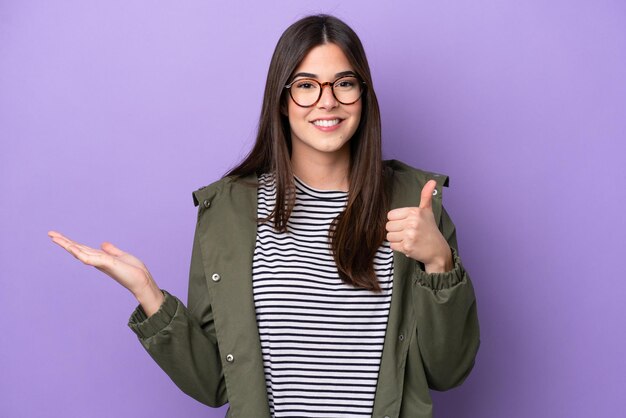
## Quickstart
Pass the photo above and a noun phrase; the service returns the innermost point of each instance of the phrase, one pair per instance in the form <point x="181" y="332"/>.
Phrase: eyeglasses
<point x="306" y="92"/>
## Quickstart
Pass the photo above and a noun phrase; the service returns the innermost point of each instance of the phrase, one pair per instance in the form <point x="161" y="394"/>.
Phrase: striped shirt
<point x="321" y="339"/>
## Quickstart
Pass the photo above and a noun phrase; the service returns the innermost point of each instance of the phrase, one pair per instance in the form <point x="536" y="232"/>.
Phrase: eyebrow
<point x="311" y="75"/>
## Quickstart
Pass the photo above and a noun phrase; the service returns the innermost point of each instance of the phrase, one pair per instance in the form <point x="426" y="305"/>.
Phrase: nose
<point x="327" y="101"/>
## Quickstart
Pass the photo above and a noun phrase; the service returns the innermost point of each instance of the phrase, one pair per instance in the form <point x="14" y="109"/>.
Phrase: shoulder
<point x="403" y="172"/>
<point x="407" y="182"/>
<point x="205" y="194"/>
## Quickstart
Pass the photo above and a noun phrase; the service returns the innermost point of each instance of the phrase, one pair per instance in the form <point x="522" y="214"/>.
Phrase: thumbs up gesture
<point x="413" y="231"/>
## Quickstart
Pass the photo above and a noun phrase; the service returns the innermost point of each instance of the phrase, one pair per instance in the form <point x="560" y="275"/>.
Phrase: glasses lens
<point x="305" y="92"/>
<point x="347" y="90"/>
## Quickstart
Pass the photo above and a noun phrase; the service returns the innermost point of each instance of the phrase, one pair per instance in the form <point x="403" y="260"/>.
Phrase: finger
<point x="395" y="237"/>
<point x="66" y="243"/>
<point x="397" y="214"/>
<point x="426" y="199"/>
<point x="56" y="237"/>
<point x="398" y="246"/>
<point x="109" y="248"/>
<point x="88" y="250"/>
<point x="95" y="259"/>
<point x="53" y="233"/>
<point x="77" y="252"/>
<point x="395" y="226"/>
<point x="62" y="242"/>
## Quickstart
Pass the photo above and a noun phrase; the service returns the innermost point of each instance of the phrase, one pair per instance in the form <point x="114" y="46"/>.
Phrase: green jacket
<point x="212" y="350"/>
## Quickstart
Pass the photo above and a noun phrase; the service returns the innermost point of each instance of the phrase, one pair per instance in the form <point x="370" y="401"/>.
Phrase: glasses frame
<point x="322" y="85"/>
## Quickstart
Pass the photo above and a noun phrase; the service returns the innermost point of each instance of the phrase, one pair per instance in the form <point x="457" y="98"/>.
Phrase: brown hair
<point x="357" y="233"/>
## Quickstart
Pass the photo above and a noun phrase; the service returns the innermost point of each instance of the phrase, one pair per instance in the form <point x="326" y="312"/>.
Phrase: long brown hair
<point x="357" y="233"/>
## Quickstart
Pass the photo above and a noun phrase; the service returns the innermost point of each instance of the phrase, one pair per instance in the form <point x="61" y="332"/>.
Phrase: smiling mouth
<point x="326" y="122"/>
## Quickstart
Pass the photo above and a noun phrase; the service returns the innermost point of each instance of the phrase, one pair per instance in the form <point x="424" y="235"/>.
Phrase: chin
<point x="334" y="146"/>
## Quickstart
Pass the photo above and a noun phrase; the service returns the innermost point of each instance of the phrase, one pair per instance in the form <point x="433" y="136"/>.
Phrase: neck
<point x="331" y="173"/>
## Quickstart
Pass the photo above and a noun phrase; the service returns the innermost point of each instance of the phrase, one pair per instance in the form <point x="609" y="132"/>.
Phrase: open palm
<point x="124" y="268"/>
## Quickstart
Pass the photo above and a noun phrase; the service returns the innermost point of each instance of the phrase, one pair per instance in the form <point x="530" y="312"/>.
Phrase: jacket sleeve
<point x="182" y="341"/>
<point x="447" y="320"/>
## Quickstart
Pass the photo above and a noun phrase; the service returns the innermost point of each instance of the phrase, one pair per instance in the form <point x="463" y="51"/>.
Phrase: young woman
<point x="324" y="282"/>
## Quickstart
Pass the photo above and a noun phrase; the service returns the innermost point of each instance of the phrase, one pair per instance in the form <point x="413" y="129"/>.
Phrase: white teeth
<point x="325" y="123"/>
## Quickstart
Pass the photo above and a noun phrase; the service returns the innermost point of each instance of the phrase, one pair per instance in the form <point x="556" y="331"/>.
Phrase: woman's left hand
<point x="413" y="231"/>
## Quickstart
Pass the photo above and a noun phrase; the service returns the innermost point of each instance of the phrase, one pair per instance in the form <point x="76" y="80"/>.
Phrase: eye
<point x="305" y="85"/>
<point x="346" y="83"/>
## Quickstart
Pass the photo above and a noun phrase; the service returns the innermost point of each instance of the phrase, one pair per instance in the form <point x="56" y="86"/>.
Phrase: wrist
<point x="440" y="264"/>
<point x="150" y="298"/>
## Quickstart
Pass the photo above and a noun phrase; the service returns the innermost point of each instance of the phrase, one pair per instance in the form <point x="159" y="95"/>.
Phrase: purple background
<point x="112" y="112"/>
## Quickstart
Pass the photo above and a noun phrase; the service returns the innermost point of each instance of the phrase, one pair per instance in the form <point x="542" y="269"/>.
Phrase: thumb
<point x="111" y="249"/>
<point x="426" y="198"/>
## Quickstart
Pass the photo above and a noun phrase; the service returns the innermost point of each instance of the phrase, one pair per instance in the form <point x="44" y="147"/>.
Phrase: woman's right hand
<point x="123" y="267"/>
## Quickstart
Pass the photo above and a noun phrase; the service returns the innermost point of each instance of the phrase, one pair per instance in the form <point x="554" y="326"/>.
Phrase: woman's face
<point x="324" y="129"/>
